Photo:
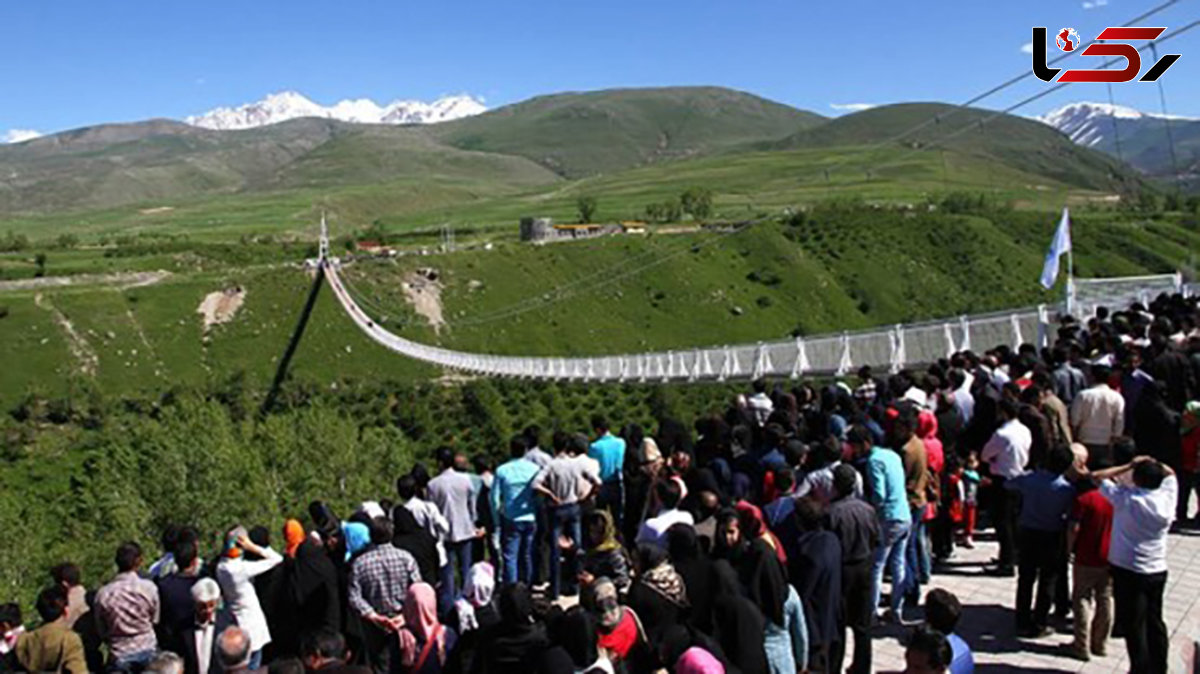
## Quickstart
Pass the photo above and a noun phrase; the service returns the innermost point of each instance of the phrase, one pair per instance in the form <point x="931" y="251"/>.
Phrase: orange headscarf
<point x="293" y="536"/>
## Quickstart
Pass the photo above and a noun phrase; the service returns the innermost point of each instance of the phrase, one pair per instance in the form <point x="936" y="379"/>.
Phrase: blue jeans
<point x="518" y="551"/>
<point x="564" y="521"/>
<point x="913" y="549"/>
<point x="924" y="560"/>
<point x="893" y="535"/>
<point x="133" y="661"/>
<point x="461" y="551"/>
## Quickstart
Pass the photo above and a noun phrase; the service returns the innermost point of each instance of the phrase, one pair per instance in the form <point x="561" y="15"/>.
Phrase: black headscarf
<point x="696" y="571"/>
<point x="575" y="631"/>
<point x="411" y="537"/>
<point x="313" y="589"/>
<point x="517" y="641"/>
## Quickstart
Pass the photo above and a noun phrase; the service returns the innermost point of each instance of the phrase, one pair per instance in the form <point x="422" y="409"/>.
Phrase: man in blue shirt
<point x="514" y="507"/>
<point x="886" y="492"/>
<point x="942" y="610"/>
<point x="609" y="450"/>
<point x="1046" y="502"/>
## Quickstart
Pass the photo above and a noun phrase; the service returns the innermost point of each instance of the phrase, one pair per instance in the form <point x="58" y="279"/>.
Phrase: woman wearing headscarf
<point x="658" y="596"/>
<point x="575" y="632"/>
<point x="817" y="572"/>
<point x="619" y="632"/>
<point x="696" y="660"/>
<point x="604" y="556"/>
<point x="738" y="624"/>
<point x="357" y="536"/>
<point x="236" y="576"/>
<point x="696" y="569"/>
<point x="310" y="600"/>
<point x="474" y="610"/>
<point x="475" y="614"/>
<point x="517" y="641"/>
<point x="764" y="581"/>
<point x="415" y="540"/>
<point x="425" y="643"/>
<point x="754" y="528"/>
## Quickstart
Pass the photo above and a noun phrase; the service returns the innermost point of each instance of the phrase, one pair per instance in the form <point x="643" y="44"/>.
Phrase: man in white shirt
<point x="1006" y="454"/>
<point x="669" y="494"/>
<point x="1098" y="416"/>
<point x="1137" y="556"/>
<point x="760" y="405"/>
<point x="426" y="514"/>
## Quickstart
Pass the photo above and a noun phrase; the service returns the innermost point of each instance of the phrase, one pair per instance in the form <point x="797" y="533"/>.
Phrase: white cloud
<point x="852" y="107"/>
<point x="1093" y="4"/>
<point x="18" y="135"/>
<point x="1027" y="48"/>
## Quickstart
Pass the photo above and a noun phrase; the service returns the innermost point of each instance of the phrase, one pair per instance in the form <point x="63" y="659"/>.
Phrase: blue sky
<point x="73" y="63"/>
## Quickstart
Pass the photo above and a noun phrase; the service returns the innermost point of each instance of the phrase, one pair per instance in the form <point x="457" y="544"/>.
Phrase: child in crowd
<point x="970" y="483"/>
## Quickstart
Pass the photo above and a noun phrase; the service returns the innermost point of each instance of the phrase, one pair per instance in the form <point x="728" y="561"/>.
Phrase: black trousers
<point x="856" y="614"/>
<point x="1138" y="603"/>
<point x="1006" y="505"/>
<point x="1042" y="554"/>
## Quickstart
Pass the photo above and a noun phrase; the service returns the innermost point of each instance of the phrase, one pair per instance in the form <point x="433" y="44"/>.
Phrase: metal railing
<point x="892" y="348"/>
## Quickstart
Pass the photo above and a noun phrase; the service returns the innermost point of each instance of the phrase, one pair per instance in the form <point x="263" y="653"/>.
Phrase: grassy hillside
<point x="579" y="134"/>
<point x="1018" y="143"/>
<point x="833" y="267"/>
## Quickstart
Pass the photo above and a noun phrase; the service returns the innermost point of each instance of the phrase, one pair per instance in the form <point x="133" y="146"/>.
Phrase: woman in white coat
<point x="236" y="575"/>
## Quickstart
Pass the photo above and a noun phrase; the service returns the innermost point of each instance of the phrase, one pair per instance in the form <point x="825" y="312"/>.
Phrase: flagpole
<point x="1071" y="276"/>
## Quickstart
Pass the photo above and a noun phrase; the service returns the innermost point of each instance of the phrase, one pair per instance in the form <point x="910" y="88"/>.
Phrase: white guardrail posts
<point x="893" y="348"/>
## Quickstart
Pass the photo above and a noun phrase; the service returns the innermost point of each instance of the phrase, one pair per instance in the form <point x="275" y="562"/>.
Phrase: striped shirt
<point x="126" y="611"/>
<point x="379" y="580"/>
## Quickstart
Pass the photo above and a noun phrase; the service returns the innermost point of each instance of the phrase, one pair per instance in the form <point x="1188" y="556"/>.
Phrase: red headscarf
<point x="757" y="528"/>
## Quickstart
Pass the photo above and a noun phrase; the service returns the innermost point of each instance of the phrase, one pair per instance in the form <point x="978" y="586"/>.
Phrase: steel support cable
<point x="1041" y="94"/>
<point x="996" y="89"/>
<point x="597" y="274"/>
<point x="618" y="277"/>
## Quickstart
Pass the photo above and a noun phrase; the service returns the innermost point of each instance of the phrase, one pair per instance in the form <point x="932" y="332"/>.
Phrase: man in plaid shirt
<point x="379" y="581"/>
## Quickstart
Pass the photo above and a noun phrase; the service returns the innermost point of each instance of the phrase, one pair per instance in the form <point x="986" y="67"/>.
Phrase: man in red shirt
<point x="1089" y="533"/>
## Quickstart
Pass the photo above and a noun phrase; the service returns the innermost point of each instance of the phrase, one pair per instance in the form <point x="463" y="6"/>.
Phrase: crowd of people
<point x="775" y="537"/>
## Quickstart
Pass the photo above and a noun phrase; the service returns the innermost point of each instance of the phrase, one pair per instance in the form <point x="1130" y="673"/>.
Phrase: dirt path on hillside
<point x="124" y="279"/>
<point x="423" y="290"/>
<point x="84" y="354"/>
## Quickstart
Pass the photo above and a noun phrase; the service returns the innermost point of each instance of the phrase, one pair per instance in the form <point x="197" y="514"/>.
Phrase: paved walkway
<point x="987" y="622"/>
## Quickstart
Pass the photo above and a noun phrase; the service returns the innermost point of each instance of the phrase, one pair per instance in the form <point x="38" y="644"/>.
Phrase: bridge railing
<point x="884" y="349"/>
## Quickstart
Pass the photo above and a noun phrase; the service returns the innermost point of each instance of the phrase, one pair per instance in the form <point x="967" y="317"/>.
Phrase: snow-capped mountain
<point x="1135" y="137"/>
<point x="287" y="105"/>
<point x="1092" y="124"/>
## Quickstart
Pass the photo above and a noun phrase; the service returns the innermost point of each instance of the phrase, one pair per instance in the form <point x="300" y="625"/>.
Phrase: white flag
<point x="1060" y="245"/>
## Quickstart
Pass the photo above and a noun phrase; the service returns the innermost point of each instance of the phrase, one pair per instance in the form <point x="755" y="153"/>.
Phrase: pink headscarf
<point x="420" y="618"/>
<point x="696" y="660"/>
